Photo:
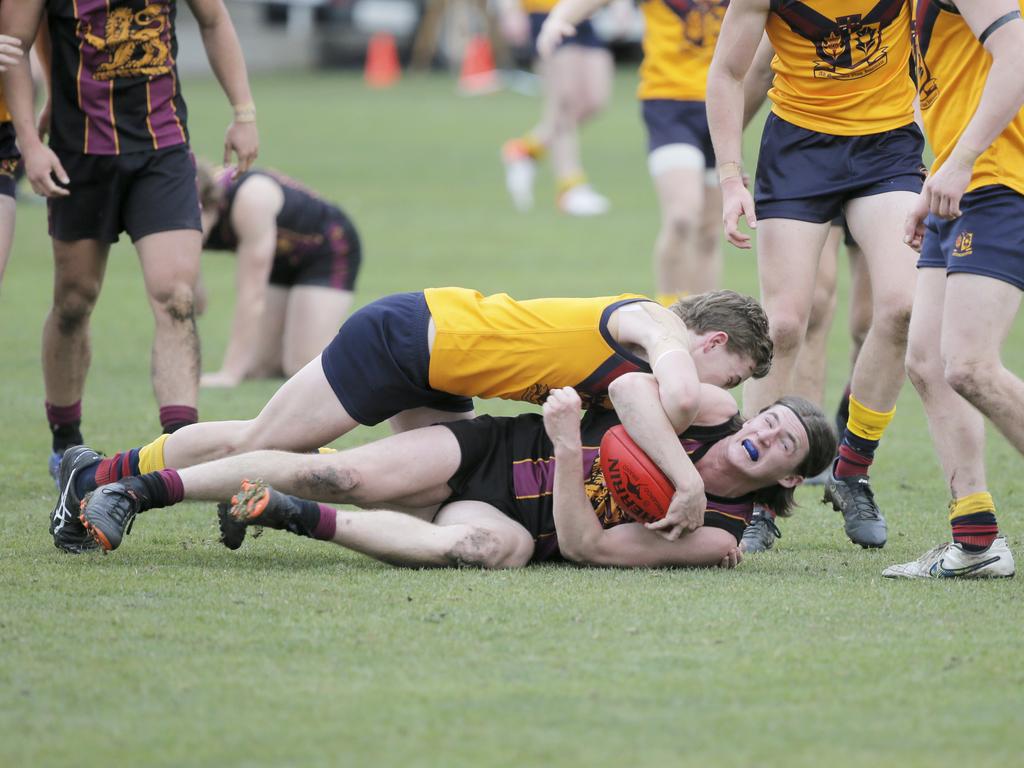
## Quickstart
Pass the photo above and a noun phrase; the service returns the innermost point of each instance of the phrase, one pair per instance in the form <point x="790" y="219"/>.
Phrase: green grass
<point x="173" y="651"/>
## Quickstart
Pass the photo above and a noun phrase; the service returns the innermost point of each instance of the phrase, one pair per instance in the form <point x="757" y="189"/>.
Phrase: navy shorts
<point x="332" y="264"/>
<point x="808" y="176"/>
<point x="585" y="34"/>
<point x="379" y="363"/>
<point x="9" y="160"/>
<point x="140" y="193"/>
<point x="987" y="239"/>
<point x="670" y="121"/>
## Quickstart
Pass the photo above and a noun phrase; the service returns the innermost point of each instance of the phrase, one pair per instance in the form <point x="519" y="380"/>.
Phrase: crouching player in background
<point x="298" y="258"/>
<point x="969" y="63"/>
<point x="419" y="358"/>
<point x="512" y="490"/>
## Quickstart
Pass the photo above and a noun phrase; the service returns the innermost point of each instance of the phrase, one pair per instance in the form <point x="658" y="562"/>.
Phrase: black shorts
<point x="492" y="470"/>
<point x="10" y="159"/>
<point x="670" y="121"/>
<point x="141" y="193"/>
<point x="332" y="264"/>
<point x="379" y="363"/>
<point x="987" y="239"/>
<point x="808" y="176"/>
<point x="585" y="34"/>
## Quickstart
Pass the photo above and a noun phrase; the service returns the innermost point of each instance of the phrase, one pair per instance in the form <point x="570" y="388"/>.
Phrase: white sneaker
<point x="582" y="200"/>
<point x="520" y="170"/>
<point x="951" y="561"/>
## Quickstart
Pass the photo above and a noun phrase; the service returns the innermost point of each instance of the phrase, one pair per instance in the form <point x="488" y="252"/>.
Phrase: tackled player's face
<point x="770" y="446"/>
<point x="717" y="364"/>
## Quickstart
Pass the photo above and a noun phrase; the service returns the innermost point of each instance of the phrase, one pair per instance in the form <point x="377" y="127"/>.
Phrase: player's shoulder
<point x="257" y="192"/>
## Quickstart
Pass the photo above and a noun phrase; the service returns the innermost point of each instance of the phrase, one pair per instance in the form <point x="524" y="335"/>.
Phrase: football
<point x="635" y="482"/>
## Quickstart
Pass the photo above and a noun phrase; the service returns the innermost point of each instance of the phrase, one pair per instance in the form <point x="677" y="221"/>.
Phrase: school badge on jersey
<point x="701" y="20"/>
<point x="964" y="245"/>
<point x="134" y="42"/>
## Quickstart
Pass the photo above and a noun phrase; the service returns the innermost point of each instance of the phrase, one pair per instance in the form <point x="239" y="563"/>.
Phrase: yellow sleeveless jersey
<point x="5" y="114"/>
<point x="842" y="67"/>
<point x="951" y="70"/>
<point x="495" y="346"/>
<point x="538" y="6"/>
<point x="679" y="41"/>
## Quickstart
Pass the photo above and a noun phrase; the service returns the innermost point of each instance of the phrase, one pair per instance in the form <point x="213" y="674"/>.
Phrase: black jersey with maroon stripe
<point x="114" y="79"/>
<point x="301" y="222"/>
<point x="512" y="467"/>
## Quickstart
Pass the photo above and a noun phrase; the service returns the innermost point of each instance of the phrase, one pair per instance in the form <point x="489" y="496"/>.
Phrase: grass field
<point x="173" y="651"/>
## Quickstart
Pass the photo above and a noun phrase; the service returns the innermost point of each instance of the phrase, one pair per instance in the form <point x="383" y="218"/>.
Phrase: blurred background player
<point x="679" y="40"/>
<point x="577" y="83"/>
<point x="841" y="138"/>
<point x="10" y="54"/>
<point x="969" y="63"/>
<point x="119" y="161"/>
<point x="298" y="258"/>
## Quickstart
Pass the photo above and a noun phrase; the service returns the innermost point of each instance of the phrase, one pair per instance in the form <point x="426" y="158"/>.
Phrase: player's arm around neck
<point x="742" y="30"/>
<point x="254" y="219"/>
<point x="225" y="55"/>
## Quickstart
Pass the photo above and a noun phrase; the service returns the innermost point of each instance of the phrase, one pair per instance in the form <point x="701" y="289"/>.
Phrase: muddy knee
<point x="477" y="548"/>
<point x="330" y="482"/>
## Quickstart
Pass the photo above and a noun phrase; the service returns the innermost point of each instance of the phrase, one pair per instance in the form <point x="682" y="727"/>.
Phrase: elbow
<point x="631" y="386"/>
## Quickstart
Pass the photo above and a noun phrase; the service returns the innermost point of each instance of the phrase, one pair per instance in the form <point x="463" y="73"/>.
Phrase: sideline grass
<point x="173" y="651"/>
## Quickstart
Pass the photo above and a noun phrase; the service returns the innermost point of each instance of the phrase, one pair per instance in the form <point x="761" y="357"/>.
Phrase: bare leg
<point x="979" y="313"/>
<point x="411" y="468"/>
<point x="957" y="429"/>
<point x="7" y="209"/>
<point x="266" y="364"/>
<point x="860" y="301"/>
<point x="424" y="417"/>
<point x="681" y="200"/>
<point x="303" y="415"/>
<point x="876" y="223"/>
<point x="787" y="266"/>
<point x="313" y="318"/>
<point x="170" y="268"/>
<point x="579" y="83"/>
<point x="707" y="268"/>
<point x="812" y="362"/>
<point x="78" y="275"/>
<point x="464" y="533"/>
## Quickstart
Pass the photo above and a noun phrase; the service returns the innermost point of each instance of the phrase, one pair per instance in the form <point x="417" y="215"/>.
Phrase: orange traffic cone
<point x="382" y="69"/>
<point x="478" y="72"/>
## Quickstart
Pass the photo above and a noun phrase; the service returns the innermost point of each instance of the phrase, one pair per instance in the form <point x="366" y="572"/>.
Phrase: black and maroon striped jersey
<point x="114" y="79"/>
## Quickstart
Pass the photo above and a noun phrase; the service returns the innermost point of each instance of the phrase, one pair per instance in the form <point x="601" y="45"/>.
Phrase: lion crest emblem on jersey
<point x="133" y="41"/>
<point x="702" y="20"/>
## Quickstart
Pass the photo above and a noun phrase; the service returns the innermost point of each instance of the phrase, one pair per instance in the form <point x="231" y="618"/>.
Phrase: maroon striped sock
<point x="119" y="465"/>
<point x="327" y="524"/>
<point x="174" y="417"/>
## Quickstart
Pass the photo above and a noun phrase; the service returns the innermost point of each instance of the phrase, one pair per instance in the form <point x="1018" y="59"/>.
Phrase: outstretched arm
<point x="742" y="29"/>
<point x="225" y="55"/>
<point x="581" y="537"/>
<point x="254" y="219"/>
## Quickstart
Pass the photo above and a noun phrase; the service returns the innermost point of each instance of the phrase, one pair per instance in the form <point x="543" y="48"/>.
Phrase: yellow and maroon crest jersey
<point x="952" y="67"/>
<point x="679" y="41"/>
<point x="114" y="79"/>
<point x="495" y="346"/>
<point x="842" y="67"/>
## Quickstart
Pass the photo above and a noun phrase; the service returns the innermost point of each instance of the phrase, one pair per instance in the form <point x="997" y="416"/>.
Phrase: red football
<point x="635" y="482"/>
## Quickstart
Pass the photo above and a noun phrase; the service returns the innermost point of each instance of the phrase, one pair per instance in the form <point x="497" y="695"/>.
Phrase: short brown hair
<point x="741" y="317"/>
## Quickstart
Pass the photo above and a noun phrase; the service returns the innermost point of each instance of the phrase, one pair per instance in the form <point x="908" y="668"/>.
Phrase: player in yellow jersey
<point x="971" y="272"/>
<point x="10" y="54"/>
<point x="419" y="358"/>
<point x="840" y="138"/>
<point x="577" y="83"/>
<point x="679" y="38"/>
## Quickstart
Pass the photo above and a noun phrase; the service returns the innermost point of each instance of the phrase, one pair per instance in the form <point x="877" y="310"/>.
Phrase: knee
<point x="485" y="548"/>
<point x="788" y="330"/>
<point x="331" y="481"/>
<point x="892" y="319"/>
<point x="968" y="376"/>
<point x="73" y="304"/>
<point x="176" y="302"/>
<point x="680" y="224"/>
<point x="588" y="107"/>
<point x="922" y="366"/>
<point x="823" y="306"/>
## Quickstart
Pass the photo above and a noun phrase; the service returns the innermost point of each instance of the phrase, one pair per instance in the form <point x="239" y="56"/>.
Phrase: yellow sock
<point x="866" y="423"/>
<point x="668" y="299"/>
<point x="568" y="182"/>
<point x="151" y="456"/>
<point x="971" y="505"/>
<point x="533" y="147"/>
